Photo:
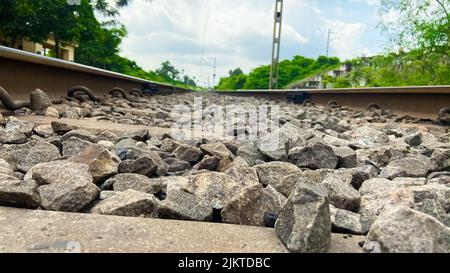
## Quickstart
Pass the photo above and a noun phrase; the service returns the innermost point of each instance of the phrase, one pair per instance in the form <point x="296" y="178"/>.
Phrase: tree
<point x="421" y="36"/>
<point x="235" y="72"/>
<point x="168" y="72"/>
<point x="38" y="20"/>
<point x="421" y="24"/>
<point x="19" y="19"/>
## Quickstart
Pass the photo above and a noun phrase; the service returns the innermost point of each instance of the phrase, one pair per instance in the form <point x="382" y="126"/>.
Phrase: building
<point x="67" y="51"/>
<point x="318" y="81"/>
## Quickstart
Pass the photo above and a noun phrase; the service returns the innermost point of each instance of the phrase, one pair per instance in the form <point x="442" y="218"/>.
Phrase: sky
<point x="238" y="33"/>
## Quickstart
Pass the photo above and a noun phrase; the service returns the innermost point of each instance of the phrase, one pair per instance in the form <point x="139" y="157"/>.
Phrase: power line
<point x="205" y="27"/>
<point x="203" y="42"/>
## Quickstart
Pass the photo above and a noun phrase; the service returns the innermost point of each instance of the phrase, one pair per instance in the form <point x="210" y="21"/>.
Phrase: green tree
<point x="20" y="19"/>
<point x="235" y="72"/>
<point x="168" y="72"/>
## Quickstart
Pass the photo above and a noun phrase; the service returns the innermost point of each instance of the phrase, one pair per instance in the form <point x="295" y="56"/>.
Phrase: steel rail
<point x="21" y="72"/>
<point x="425" y="102"/>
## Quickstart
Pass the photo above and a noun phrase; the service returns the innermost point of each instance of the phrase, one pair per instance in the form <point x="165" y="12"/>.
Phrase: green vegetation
<point x="421" y="38"/>
<point x="417" y="53"/>
<point x="418" y="49"/>
<point x="98" y="42"/>
<point x="290" y="71"/>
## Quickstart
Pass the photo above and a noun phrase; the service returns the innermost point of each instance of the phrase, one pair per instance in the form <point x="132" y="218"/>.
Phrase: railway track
<point x="379" y="163"/>
<point x="430" y="102"/>
<point x="22" y="72"/>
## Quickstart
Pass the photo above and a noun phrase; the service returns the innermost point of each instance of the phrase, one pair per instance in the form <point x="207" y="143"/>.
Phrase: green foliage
<point x="235" y="82"/>
<point x="290" y="71"/>
<point x="98" y="42"/>
<point x="421" y="38"/>
<point x="18" y="20"/>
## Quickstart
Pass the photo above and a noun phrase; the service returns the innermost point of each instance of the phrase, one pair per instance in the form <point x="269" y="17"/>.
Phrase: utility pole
<point x="328" y="42"/>
<point x="273" y="81"/>
<point x="214" y="65"/>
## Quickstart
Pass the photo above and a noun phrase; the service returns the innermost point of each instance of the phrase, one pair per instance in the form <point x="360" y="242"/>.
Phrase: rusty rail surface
<point x="22" y="72"/>
<point x="426" y="102"/>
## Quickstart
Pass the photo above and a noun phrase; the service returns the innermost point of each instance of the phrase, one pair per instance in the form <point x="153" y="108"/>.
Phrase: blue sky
<point x="239" y="32"/>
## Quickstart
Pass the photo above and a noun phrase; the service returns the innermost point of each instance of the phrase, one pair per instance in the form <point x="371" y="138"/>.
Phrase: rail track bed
<point x="260" y="174"/>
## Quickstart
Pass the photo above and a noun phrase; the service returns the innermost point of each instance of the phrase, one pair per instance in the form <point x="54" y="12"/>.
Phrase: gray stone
<point x="18" y="193"/>
<point x="181" y="205"/>
<point x="51" y="112"/>
<point x="304" y="224"/>
<point x="39" y="101"/>
<point x="414" y="139"/>
<point x="177" y="165"/>
<point x="102" y="163"/>
<point x="317" y="156"/>
<point x="73" y="146"/>
<point x="250" y="152"/>
<point x="107" y="136"/>
<point x="210" y="163"/>
<point x="341" y="195"/>
<point x="430" y="199"/>
<point x="21" y="126"/>
<point x="359" y="174"/>
<point x="15" y="153"/>
<point x="62" y="127"/>
<point x="44" y="131"/>
<point x="138" y="135"/>
<point x="106" y="194"/>
<point x="64" y="185"/>
<point x="129" y="203"/>
<point x="376" y="185"/>
<point x="286" y="185"/>
<point x="217" y="149"/>
<point x="40" y="153"/>
<point x="137" y="182"/>
<point x="275" y="145"/>
<point x="125" y="144"/>
<point x="106" y="144"/>
<point x="241" y="172"/>
<point x="217" y="188"/>
<point x="380" y="156"/>
<point x="440" y="160"/>
<point x="273" y="173"/>
<point x="344" y="221"/>
<point x="71" y="114"/>
<point x="12" y="137"/>
<point x="250" y="205"/>
<point x="406" y="167"/>
<point x="174" y="183"/>
<point x="5" y="168"/>
<point x="403" y="182"/>
<point x="365" y="136"/>
<point x="188" y="153"/>
<point x="81" y="134"/>
<point x="403" y="230"/>
<point x="317" y="176"/>
<point x="442" y="178"/>
<point x="144" y="165"/>
<point x="346" y="157"/>
<point x="161" y="166"/>
<point x="169" y="145"/>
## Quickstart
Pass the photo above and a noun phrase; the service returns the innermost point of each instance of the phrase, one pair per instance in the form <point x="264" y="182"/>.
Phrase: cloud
<point x="238" y="33"/>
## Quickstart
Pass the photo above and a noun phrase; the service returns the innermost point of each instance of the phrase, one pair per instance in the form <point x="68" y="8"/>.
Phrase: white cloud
<point x="346" y="38"/>
<point x="239" y="33"/>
